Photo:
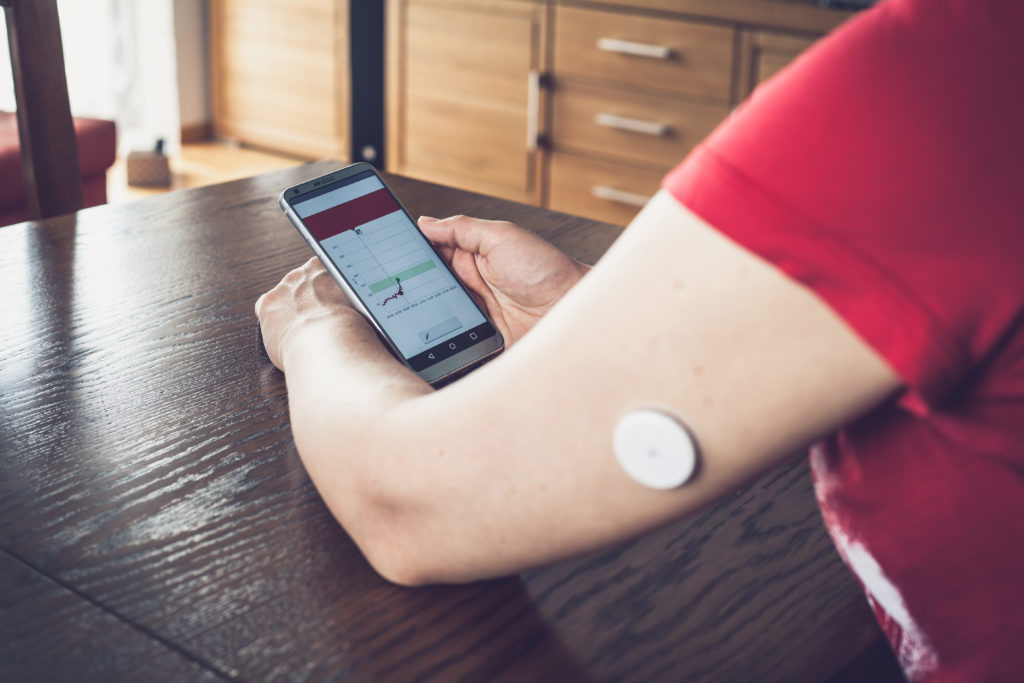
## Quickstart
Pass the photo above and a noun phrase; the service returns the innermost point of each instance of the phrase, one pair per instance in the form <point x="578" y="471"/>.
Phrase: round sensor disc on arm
<point x="654" y="449"/>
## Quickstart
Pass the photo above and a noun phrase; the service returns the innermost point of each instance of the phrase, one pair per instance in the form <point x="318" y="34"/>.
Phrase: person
<point x="841" y="263"/>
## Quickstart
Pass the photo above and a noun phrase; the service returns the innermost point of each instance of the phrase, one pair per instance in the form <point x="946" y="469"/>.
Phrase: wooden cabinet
<point x="463" y="93"/>
<point x="632" y="92"/>
<point x="627" y="89"/>
<point x="280" y="74"/>
<point x="762" y="54"/>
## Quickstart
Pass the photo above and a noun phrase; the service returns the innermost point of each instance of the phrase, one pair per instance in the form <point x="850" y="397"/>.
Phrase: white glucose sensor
<point x="654" y="449"/>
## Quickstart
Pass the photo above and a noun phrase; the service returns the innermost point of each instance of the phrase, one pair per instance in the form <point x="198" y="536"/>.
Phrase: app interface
<point x="390" y="265"/>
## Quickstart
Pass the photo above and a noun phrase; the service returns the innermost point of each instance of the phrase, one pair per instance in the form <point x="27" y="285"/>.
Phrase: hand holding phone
<point x="390" y="273"/>
<point x="517" y="275"/>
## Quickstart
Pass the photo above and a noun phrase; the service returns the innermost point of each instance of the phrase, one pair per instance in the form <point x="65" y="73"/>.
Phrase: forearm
<point x="417" y="478"/>
<point x="341" y="384"/>
<point x="337" y="369"/>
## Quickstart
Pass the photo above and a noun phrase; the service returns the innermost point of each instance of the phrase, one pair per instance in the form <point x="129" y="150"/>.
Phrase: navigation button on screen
<point x="453" y="346"/>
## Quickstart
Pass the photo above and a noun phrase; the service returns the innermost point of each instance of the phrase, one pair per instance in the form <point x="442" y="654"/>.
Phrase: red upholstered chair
<point x="97" y="147"/>
<point x="40" y="171"/>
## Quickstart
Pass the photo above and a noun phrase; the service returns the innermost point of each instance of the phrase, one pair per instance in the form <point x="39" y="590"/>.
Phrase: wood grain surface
<point x="54" y="634"/>
<point x="154" y="511"/>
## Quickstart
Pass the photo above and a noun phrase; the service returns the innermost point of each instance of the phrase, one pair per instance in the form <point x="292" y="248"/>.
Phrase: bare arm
<point x="512" y="467"/>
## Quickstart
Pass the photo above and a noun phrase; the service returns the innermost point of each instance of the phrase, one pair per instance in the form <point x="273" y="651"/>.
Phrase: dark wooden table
<point x="156" y="522"/>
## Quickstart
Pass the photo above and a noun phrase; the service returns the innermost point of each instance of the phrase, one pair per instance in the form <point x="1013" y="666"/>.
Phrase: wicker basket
<point x="148" y="169"/>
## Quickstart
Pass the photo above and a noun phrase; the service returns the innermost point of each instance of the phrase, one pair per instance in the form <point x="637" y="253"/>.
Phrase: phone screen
<point x="391" y="267"/>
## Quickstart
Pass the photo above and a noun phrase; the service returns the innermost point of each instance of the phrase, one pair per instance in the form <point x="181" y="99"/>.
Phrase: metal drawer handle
<point x="627" y="47"/>
<point x="632" y="125"/>
<point x="620" y="196"/>
<point x="532" y="110"/>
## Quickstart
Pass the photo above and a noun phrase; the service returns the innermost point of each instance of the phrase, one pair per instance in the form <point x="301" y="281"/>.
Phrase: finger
<point x="446" y="253"/>
<point x="436" y="231"/>
<point x="441" y="238"/>
<point x="475" y="235"/>
<point x="464" y="266"/>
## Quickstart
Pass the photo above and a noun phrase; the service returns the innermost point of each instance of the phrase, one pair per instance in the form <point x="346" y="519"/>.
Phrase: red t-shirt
<point x="884" y="170"/>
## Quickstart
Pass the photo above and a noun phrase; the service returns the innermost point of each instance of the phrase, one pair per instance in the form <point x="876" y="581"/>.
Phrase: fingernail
<point x="428" y="219"/>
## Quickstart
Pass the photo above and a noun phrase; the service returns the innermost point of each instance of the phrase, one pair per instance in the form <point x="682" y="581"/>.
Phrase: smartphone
<point x="390" y="272"/>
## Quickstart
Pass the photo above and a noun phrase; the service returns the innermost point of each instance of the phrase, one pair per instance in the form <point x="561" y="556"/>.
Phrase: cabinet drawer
<point x="598" y="189"/>
<point x="678" y="56"/>
<point x="648" y="129"/>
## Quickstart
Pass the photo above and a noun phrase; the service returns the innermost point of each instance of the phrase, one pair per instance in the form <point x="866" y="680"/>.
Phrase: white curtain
<point x="119" y="56"/>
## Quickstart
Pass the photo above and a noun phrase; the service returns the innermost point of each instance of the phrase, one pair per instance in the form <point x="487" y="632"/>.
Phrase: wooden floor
<point x="199" y="164"/>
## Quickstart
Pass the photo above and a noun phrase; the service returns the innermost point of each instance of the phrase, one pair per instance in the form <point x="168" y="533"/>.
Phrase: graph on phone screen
<point x="389" y="263"/>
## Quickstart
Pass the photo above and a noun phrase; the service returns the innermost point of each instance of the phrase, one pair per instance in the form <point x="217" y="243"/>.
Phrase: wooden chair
<point x="49" y="151"/>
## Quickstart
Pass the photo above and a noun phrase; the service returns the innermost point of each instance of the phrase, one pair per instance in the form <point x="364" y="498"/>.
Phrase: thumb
<point x="475" y="235"/>
<point x="436" y="231"/>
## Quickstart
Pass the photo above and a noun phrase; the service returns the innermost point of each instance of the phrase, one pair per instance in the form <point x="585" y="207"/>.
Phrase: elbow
<point x="414" y="570"/>
<point x="409" y="555"/>
<point x="392" y="550"/>
<point x="417" y="545"/>
<point x="390" y="532"/>
<point x="396" y="568"/>
<point x="390" y="507"/>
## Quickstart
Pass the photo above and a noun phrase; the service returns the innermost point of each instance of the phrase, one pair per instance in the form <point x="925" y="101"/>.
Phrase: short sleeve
<point x="884" y="170"/>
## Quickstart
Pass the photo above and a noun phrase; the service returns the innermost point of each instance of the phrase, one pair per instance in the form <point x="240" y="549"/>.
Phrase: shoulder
<point x="879" y="170"/>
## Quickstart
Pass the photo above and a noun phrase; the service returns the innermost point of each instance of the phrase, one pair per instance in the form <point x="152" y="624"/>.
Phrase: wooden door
<point x="279" y="74"/>
<point x="464" y="100"/>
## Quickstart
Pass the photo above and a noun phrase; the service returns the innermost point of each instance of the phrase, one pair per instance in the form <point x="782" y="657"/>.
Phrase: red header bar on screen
<point x="351" y="214"/>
